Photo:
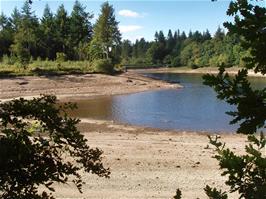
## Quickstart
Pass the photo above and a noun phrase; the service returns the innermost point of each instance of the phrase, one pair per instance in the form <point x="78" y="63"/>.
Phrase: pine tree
<point x="25" y="40"/>
<point x="80" y="28"/>
<point x="219" y="34"/>
<point x="170" y="42"/>
<point x="62" y="27"/>
<point x="15" y="19"/>
<point x="106" y="33"/>
<point x="48" y="30"/>
<point x="126" y="49"/>
<point x="6" y="35"/>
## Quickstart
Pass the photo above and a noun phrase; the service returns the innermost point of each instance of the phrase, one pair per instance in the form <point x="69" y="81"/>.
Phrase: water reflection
<point x="194" y="107"/>
<point x="100" y="108"/>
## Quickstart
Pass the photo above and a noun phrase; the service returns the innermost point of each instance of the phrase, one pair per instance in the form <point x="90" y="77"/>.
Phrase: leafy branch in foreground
<point x="40" y="145"/>
<point x="213" y="193"/>
<point x="246" y="173"/>
<point x="251" y="104"/>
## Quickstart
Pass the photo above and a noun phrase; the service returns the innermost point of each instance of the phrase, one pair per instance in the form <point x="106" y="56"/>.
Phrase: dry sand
<point x="66" y="87"/>
<point x="144" y="162"/>
<point x="149" y="163"/>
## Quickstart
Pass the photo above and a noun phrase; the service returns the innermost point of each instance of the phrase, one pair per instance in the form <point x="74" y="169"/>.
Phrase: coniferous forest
<point x="64" y="36"/>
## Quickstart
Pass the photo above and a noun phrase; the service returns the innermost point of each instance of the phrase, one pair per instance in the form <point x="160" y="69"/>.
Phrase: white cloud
<point x="129" y="28"/>
<point x="128" y="13"/>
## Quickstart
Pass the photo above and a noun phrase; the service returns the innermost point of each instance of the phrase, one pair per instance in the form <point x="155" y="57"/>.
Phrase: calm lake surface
<point x="192" y="108"/>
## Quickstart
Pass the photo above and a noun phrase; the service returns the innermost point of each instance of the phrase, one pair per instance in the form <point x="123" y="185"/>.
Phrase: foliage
<point x="40" y="145"/>
<point x="106" y="33"/>
<point x="251" y="108"/>
<point x="25" y="40"/>
<point x="178" y="194"/>
<point x="246" y="173"/>
<point x="73" y="34"/>
<point x="103" y="66"/>
<point x="46" y="67"/>
<point x="213" y="193"/>
<point x="251" y="104"/>
<point x="60" y="57"/>
<point x="8" y="60"/>
<point x="250" y="23"/>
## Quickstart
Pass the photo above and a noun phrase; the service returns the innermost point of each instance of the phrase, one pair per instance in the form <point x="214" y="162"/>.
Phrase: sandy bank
<point x="148" y="163"/>
<point x="66" y="87"/>
<point x="204" y="70"/>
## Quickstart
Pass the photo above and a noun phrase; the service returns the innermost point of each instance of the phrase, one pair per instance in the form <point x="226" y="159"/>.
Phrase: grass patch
<point x="46" y="68"/>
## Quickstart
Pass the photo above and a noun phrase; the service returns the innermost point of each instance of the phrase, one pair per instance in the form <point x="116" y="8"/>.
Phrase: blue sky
<point x="142" y="18"/>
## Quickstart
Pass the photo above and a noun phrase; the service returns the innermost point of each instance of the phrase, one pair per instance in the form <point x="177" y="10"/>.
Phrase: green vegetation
<point x="45" y="68"/>
<point x="246" y="173"/>
<point x="103" y="66"/>
<point x="61" y="37"/>
<point x="29" y="44"/>
<point x="40" y="145"/>
<point x="195" y="50"/>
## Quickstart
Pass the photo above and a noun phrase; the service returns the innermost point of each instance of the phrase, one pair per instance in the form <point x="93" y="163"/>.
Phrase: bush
<point x="175" y="62"/>
<point x="246" y="173"/>
<point x="103" y="66"/>
<point x="60" y="57"/>
<point x="8" y="60"/>
<point x="40" y="145"/>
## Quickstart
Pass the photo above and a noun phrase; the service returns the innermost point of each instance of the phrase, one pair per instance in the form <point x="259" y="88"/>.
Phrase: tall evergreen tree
<point x="48" y="30"/>
<point x="62" y="27"/>
<point x="26" y="40"/>
<point x="15" y="19"/>
<point x="170" y="42"/>
<point x="106" y="33"/>
<point x="80" y="28"/>
<point x="6" y="35"/>
<point x="206" y="35"/>
<point x="219" y="34"/>
<point x="126" y="50"/>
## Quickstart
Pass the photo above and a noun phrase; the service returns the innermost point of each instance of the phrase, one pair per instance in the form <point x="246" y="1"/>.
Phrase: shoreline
<point x="82" y="86"/>
<point x="69" y="87"/>
<point x="150" y="163"/>
<point x="144" y="162"/>
<point x="204" y="70"/>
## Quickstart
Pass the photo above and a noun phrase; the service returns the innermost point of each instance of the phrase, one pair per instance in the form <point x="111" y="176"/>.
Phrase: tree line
<point x="73" y="37"/>
<point x="194" y="49"/>
<point x="61" y="35"/>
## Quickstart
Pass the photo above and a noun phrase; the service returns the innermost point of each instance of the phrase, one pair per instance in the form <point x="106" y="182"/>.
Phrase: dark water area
<point x="191" y="108"/>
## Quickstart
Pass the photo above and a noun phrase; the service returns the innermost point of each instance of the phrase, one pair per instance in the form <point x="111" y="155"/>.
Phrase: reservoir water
<point x="191" y="108"/>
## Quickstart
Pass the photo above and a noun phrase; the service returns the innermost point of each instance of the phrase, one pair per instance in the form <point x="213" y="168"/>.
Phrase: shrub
<point x="246" y="173"/>
<point x="175" y="62"/>
<point x="36" y="137"/>
<point x="103" y="66"/>
<point x="60" y="57"/>
<point x="8" y="60"/>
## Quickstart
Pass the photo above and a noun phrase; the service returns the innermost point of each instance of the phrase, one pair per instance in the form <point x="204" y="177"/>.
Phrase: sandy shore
<point x="66" y="87"/>
<point x="204" y="70"/>
<point x="149" y="163"/>
<point x="144" y="162"/>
